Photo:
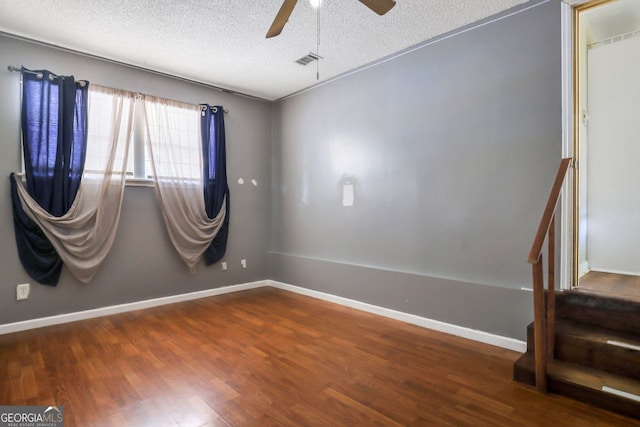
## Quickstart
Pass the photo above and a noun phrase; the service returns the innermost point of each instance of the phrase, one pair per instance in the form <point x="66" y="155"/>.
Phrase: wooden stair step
<point x="598" y="388"/>
<point x="598" y="335"/>
<point x="614" y="314"/>
<point x="597" y="348"/>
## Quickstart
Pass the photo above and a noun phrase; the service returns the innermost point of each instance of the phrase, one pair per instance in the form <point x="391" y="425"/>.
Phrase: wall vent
<point x="308" y="59"/>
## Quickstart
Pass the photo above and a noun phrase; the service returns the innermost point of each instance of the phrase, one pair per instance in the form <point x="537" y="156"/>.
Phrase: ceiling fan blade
<point x="281" y="18"/>
<point x="379" y="6"/>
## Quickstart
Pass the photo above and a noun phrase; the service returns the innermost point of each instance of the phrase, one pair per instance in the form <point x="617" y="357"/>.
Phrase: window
<point x="100" y="123"/>
<point x="174" y="129"/>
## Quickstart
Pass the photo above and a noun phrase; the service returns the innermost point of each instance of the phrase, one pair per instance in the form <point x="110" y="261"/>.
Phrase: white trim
<point x="115" y="309"/>
<point x="480" y="336"/>
<point x="460" y="331"/>
<point x="566" y="201"/>
<point x="573" y="2"/>
<point x="624" y="345"/>
<point x="621" y="393"/>
<point x="139" y="182"/>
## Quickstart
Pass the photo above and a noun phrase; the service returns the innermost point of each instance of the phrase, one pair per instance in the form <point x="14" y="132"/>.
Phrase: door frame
<point x="570" y="202"/>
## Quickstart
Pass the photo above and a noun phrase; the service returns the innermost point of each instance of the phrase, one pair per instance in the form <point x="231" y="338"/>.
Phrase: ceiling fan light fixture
<point x="378" y="6"/>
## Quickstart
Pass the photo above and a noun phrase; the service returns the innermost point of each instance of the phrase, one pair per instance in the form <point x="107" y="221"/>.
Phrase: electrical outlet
<point x="22" y="291"/>
<point x="224" y="266"/>
<point x="243" y="262"/>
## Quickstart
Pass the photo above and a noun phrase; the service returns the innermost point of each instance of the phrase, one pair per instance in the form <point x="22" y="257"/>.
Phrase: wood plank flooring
<point x="619" y="285"/>
<point x="267" y="357"/>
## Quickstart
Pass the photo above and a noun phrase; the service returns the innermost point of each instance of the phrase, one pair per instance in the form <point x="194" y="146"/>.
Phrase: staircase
<point x="596" y="352"/>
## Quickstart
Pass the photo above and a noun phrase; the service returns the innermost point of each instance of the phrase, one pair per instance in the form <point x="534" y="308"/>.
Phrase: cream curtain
<point x="174" y="144"/>
<point x="84" y="235"/>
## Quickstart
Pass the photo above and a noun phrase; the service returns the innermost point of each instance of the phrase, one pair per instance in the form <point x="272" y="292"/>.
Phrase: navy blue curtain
<point x="214" y="175"/>
<point x="54" y="136"/>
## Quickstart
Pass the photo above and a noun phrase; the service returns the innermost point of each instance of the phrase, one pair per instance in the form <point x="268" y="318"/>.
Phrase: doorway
<point x="607" y="147"/>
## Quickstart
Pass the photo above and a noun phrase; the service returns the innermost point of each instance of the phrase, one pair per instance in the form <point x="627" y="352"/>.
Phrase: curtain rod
<point x="214" y="108"/>
<point x="14" y="69"/>
<point x="82" y="83"/>
<point x="141" y="95"/>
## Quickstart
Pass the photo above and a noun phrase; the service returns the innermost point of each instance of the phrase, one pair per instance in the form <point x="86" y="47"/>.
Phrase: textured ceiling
<point x="222" y="42"/>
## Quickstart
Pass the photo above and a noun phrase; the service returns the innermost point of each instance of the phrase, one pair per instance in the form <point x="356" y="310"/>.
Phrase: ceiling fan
<point x="378" y="6"/>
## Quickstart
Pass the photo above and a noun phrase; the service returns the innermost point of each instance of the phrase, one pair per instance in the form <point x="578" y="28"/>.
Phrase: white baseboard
<point x="583" y="268"/>
<point x="460" y="331"/>
<point x="115" y="309"/>
<point x="484" y="337"/>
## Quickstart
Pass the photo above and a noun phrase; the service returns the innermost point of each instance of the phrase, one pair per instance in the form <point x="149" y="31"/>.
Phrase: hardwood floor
<point x="268" y="357"/>
<point x="620" y="285"/>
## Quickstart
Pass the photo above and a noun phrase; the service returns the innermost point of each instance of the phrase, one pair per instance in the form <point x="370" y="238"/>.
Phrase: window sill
<point x="139" y="182"/>
<point x="129" y="182"/>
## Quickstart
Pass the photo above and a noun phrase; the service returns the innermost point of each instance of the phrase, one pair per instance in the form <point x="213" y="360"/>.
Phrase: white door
<point x="613" y="168"/>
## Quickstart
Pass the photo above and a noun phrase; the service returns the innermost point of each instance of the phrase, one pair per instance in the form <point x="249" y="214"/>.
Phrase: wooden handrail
<point x="544" y="308"/>
<point x="549" y="210"/>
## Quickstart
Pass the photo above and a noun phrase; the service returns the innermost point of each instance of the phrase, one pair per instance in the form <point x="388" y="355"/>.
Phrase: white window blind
<point x="100" y="121"/>
<point x="174" y="129"/>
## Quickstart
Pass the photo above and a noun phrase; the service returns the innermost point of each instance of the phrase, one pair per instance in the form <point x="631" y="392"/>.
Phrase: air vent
<point x="308" y="59"/>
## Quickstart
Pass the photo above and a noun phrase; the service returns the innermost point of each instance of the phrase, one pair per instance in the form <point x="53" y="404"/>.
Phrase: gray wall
<point x="142" y="263"/>
<point x="453" y="148"/>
